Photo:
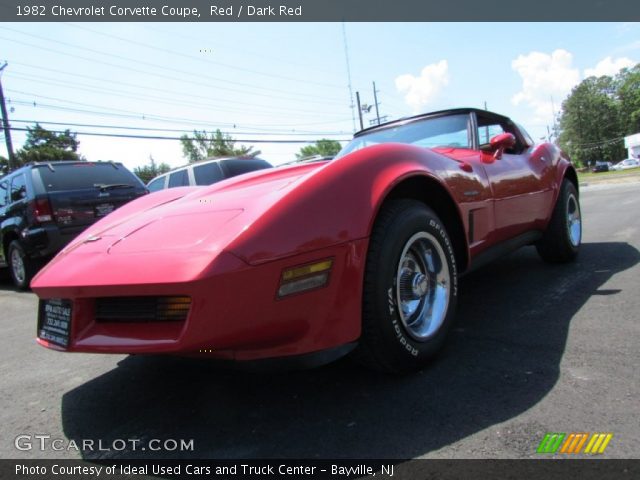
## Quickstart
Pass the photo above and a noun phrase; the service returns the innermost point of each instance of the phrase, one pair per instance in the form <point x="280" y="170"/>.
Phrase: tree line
<point x="598" y="114"/>
<point x="42" y="145"/>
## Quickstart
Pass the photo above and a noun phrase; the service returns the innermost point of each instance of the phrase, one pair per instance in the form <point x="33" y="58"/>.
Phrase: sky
<point x="271" y="83"/>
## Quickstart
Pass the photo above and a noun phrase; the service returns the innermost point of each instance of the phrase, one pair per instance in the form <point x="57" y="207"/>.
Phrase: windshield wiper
<point x="111" y="186"/>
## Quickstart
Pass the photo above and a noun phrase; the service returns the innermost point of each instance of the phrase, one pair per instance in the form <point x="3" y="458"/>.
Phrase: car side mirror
<point x="500" y="143"/>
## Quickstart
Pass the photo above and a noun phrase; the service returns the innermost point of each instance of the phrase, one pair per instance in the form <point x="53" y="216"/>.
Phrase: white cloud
<point x="419" y="91"/>
<point x="609" y="66"/>
<point x="628" y="47"/>
<point x="545" y="77"/>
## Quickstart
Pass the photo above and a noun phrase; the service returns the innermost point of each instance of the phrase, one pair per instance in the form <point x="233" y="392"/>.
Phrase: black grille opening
<point x="142" y="309"/>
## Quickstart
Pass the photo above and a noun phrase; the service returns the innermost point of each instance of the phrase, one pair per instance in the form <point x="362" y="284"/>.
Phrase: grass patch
<point x="632" y="172"/>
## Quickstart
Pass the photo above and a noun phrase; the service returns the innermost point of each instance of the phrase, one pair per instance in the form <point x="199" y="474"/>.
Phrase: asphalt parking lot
<point x="537" y="348"/>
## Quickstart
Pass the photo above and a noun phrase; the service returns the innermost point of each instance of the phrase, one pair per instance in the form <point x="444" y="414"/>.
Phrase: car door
<point x="520" y="178"/>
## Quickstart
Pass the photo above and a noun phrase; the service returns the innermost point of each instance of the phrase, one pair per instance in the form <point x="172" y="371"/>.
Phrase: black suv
<point x="43" y="206"/>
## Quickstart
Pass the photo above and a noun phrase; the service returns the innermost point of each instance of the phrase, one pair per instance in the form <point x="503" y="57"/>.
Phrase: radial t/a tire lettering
<point x="410" y="288"/>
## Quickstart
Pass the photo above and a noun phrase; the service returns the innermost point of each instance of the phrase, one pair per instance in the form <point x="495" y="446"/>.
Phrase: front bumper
<point x="235" y="313"/>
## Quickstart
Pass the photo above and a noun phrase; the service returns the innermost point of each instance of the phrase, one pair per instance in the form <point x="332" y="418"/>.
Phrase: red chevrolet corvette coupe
<point x="312" y="261"/>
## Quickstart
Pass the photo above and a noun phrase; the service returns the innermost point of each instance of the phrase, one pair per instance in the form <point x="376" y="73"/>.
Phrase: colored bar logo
<point x="572" y="443"/>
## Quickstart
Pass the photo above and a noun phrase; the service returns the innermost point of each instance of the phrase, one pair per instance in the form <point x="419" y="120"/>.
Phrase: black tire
<point x="21" y="276"/>
<point x="391" y="341"/>
<point x="561" y="240"/>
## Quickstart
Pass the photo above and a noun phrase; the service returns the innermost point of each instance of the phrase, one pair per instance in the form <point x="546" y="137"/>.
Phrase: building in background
<point x="632" y="144"/>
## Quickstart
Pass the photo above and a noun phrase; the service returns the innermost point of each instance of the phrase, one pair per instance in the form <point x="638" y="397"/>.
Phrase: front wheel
<point x="561" y="241"/>
<point x="410" y="288"/>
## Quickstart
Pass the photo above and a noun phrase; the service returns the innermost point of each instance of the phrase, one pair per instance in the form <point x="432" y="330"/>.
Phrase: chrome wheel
<point x="574" y="222"/>
<point x="422" y="286"/>
<point x="17" y="266"/>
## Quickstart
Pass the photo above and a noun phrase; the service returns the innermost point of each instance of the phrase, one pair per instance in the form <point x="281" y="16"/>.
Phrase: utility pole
<point x="5" y="124"/>
<point x="486" y="129"/>
<point x="359" y="110"/>
<point x="346" y="56"/>
<point x="553" y="109"/>
<point x="375" y="99"/>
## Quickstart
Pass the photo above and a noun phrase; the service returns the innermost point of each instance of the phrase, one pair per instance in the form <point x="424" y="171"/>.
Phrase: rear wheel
<point x="410" y="288"/>
<point x="21" y="267"/>
<point x="561" y="241"/>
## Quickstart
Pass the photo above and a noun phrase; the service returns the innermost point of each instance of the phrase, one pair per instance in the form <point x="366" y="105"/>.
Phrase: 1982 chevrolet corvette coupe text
<point x="311" y="261"/>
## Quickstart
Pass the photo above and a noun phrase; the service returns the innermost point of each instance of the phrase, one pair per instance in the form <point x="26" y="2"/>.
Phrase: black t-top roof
<point x="439" y="113"/>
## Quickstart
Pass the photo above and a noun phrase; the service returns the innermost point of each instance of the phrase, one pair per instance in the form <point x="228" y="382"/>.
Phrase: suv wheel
<point x="22" y="268"/>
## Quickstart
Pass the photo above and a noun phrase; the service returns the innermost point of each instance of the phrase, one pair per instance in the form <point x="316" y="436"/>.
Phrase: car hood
<point x="195" y="219"/>
<point x="189" y="226"/>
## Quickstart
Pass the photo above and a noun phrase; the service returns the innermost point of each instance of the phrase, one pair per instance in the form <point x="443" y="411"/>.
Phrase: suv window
<point x="207" y="173"/>
<point x="18" y="188"/>
<point x="238" y="166"/>
<point x="4" y="185"/>
<point x="81" y="175"/>
<point x="179" y="179"/>
<point x="157" y="184"/>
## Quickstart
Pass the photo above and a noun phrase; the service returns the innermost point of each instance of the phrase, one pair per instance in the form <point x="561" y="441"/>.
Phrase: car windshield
<point x="444" y="131"/>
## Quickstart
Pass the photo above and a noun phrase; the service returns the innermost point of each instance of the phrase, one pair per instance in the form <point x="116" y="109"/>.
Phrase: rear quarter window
<point x="18" y="188"/>
<point x="79" y="176"/>
<point x="207" y="173"/>
<point x="4" y="187"/>
<point x="179" y="179"/>
<point x="157" y="184"/>
<point x="238" y="166"/>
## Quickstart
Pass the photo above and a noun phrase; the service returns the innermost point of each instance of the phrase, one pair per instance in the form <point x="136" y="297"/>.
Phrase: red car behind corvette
<point x="310" y="262"/>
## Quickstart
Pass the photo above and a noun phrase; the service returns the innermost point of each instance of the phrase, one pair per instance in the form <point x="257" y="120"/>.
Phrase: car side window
<point x="4" y="185"/>
<point x="179" y="179"/>
<point x="207" y="173"/>
<point x="489" y="127"/>
<point x="238" y="166"/>
<point x="486" y="133"/>
<point x="18" y="188"/>
<point x="157" y="184"/>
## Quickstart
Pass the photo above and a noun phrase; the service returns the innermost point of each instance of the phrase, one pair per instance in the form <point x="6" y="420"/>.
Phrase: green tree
<point x="629" y="96"/>
<point x="4" y="165"/>
<point x="215" y="145"/>
<point x="591" y="123"/>
<point x="148" y="172"/>
<point x="324" y="147"/>
<point x="43" y="145"/>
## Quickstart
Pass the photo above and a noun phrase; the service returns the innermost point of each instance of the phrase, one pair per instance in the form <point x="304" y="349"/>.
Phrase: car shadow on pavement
<point x="501" y="359"/>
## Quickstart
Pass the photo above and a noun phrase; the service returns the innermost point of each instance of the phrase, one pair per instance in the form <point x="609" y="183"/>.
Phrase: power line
<point x="150" y="129"/>
<point x="306" y="81"/>
<point x="261" y="55"/>
<point x="138" y="86"/>
<point x="159" y="137"/>
<point x="594" y="145"/>
<point x="306" y="97"/>
<point x="142" y="116"/>
<point x="290" y="112"/>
